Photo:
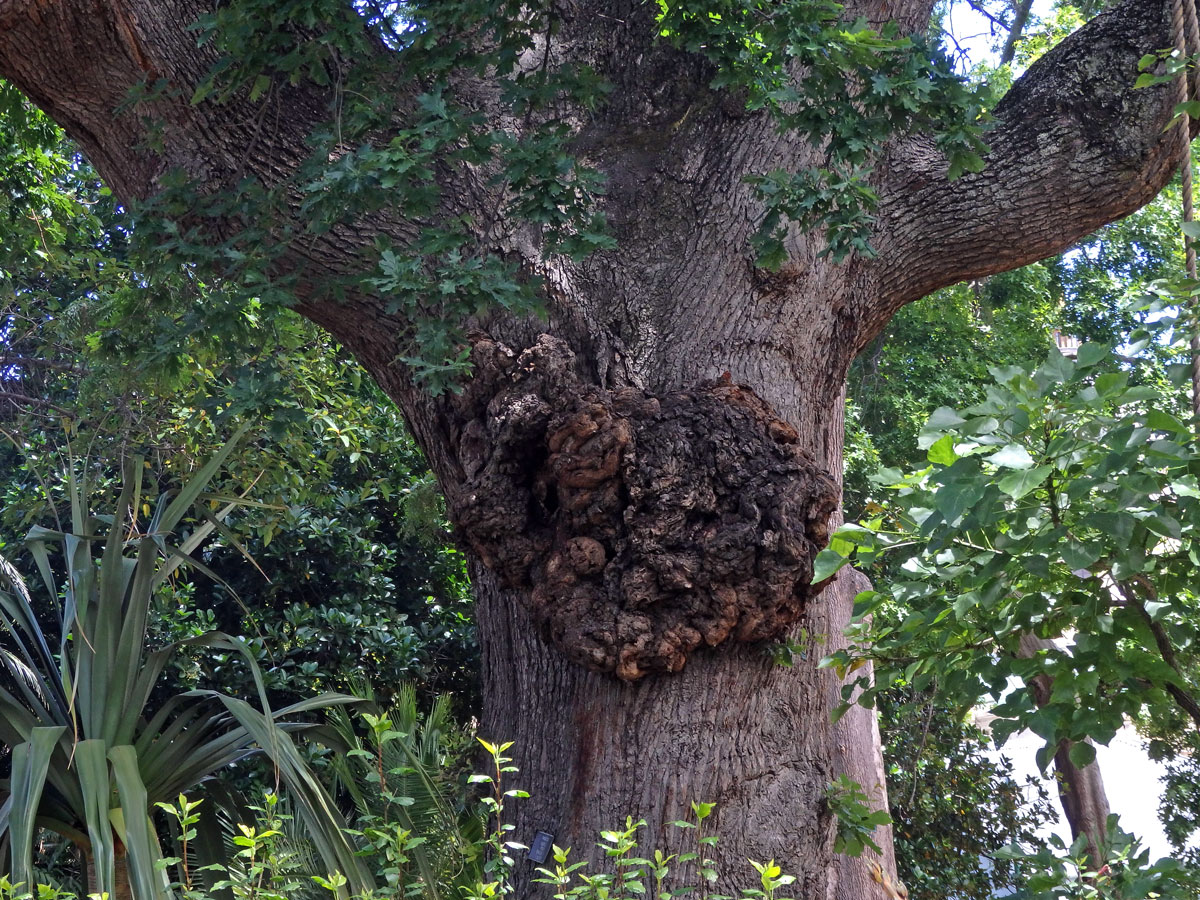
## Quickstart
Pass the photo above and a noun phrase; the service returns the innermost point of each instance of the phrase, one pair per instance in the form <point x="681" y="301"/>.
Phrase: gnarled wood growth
<point x="639" y="527"/>
<point x="607" y="467"/>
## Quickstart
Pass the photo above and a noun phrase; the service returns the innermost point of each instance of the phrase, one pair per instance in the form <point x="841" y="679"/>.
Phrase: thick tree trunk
<point x="731" y="728"/>
<point x="642" y="481"/>
<point x="122" y="889"/>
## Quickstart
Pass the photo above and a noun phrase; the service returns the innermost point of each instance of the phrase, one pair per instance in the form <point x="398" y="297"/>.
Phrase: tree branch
<point x="1076" y="147"/>
<point x="85" y="61"/>
<point x="1183" y="699"/>
<point x="24" y="400"/>
<point x="1014" y="33"/>
<point x="37" y="362"/>
<point x="982" y="10"/>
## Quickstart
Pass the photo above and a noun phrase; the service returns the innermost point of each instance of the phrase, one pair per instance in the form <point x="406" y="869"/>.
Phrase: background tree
<point x="347" y="521"/>
<point x="1055" y="517"/>
<point x="953" y="808"/>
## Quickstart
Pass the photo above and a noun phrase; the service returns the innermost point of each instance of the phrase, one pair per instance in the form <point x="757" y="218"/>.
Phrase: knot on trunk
<point x="641" y="527"/>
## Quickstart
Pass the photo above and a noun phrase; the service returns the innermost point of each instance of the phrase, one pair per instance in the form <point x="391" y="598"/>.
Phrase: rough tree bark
<point x="641" y="481"/>
<point x="1080" y="788"/>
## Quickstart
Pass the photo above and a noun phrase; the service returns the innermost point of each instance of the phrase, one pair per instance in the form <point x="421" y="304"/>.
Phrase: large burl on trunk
<point x="642" y="479"/>
<point x="639" y="527"/>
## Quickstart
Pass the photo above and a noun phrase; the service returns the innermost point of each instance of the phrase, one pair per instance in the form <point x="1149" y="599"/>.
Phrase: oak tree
<point x="656" y="234"/>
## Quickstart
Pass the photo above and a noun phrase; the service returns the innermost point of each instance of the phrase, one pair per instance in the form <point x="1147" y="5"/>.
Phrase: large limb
<point x="1076" y="146"/>
<point x="82" y="61"/>
<point x="119" y="76"/>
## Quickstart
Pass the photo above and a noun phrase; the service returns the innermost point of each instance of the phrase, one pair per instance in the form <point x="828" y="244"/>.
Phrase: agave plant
<point x="90" y="755"/>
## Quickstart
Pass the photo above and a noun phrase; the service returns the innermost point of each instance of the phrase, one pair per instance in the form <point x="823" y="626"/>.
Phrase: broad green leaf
<point x="1057" y="367"/>
<point x="91" y="761"/>
<point x="1090" y="353"/>
<point x="1157" y="609"/>
<point x="841" y="546"/>
<point x="1164" y="526"/>
<point x="1186" y="486"/>
<point x="1011" y="456"/>
<point x="1162" y="421"/>
<point x="133" y="817"/>
<point x="1082" y="754"/>
<point x="30" y="763"/>
<point x="1019" y="483"/>
<point x="964" y="603"/>
<point x="942" y="451"/>
<point x="1080" y="556"/>
<point x="944" y="418"/>
<point x="827" y="564"/>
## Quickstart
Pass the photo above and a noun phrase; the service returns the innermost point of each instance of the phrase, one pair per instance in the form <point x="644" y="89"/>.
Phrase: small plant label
<point x="539" y="848"/>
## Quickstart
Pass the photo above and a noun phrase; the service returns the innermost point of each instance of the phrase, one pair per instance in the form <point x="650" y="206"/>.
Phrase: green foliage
<point x="102" y="353"/>
<point x="500" y="862"/>
<point x="269" y="861"/>
<point x="384" y="150"/>
<point x="937" y="353"/>
<point x="339" y="589"/>
<point x="860" y="460"/>
<point x="953" y="809"/>
<point x="856" y="820"/>
<point x="411" y="811"/>
<point x="1058" y="872"/>
<point x="658" y="875"/>
<point x="1049" y="30"/>
<point x="786" y="652"/>
<point x="1177" y="747"/>
<point x="18" y="891"/>
<point x="1063" y="505"/>
<point x="92" y="753"/>
<point x="1120" y="260"/>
